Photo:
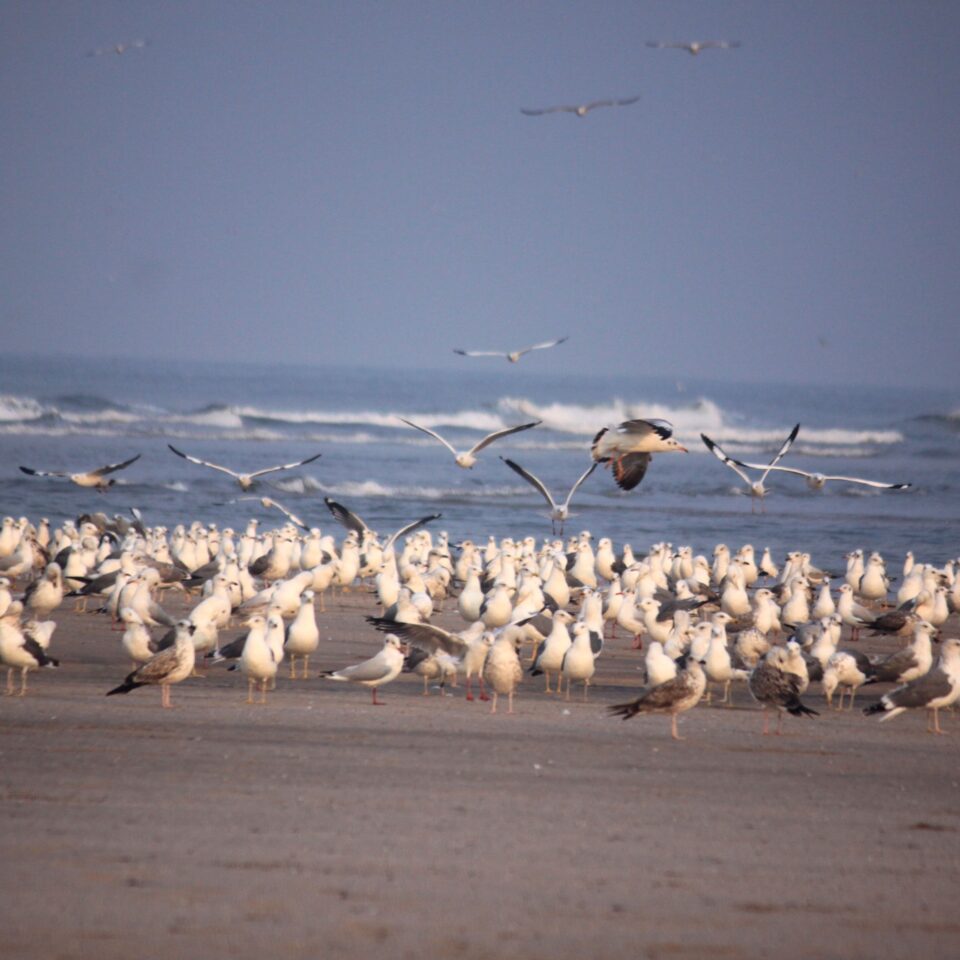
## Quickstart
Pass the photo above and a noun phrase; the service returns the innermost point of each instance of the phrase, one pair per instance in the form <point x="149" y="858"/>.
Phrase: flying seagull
<point x="817" y="481"/>
<point x="467" y="458"/>
<point x="118" y="48"/>
<point x="515" y="355"/>
<point x="558" y="512"/>
<point x="352" y="522"/>
<point x="581" y="110"/>
<point x="694" y="47"/>
<point x="246" y="480"/>
<point x="95" y="478"/>
<point x="757" y="490"/>
<point x="628" y="447"/>
<point x="268" y="502"/>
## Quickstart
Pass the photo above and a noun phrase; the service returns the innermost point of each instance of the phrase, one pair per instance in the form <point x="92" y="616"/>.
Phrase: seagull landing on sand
<point x="467" y="458"/>
<point x="515" y="355"/>
<point x="376" y="671"/>
<point x="627" y="448"/>
<point x="95" y="478"/>
<point x="582" y="109"/>
<point x="674" y="696"/>
<point x="558" y="512"/>
<point x="757" y="490"/>
<point x="246" y="480"/>
<point x="694" y="47"/>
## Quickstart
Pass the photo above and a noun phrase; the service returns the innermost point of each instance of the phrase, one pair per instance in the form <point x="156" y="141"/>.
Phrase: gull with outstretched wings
<point x="694" y="47"/>
<point x="514" y="355"/>
<point x="246" y="480"/>
<point x="467" y="458"/>
<point x="580" y="110"/>
<point x="351" y="521"/>
<point x="756" y="487"/>
<point x="94" y="478"/>
<point x="559" y="512"/>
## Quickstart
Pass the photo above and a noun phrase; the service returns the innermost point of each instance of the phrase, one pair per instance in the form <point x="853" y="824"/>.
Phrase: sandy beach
<point x="319" y="825"/>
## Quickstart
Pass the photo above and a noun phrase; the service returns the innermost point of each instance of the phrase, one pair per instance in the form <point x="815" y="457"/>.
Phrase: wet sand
<point x="321" y="826"/>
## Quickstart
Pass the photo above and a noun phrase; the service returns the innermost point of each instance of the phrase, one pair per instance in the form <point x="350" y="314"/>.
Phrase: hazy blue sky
<point x="354" y="182"/>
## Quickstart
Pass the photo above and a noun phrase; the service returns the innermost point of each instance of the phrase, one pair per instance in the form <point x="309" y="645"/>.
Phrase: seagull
<point x="694" y="47"/>
<point x="467" y="458"/>
<point x="376" y="671"/>
<point x="118" y="48"/>
<point x="94" y="478"/>
<point x="628" y="447"/>
<point x="581" y="110"/>
<point x="772" y="686"/>
<point x="558" y="512"/>
<point x="502" y="670"/>
<point x="757" y="490"/>
<point x="932" y="691"/>
<point x="352" y="522"/>
<point x="19" y="652"/>
<point x="168" y="666"/>
<point x="674" y="696"/>
<point x="817" y="481"/>
<point x="514" y="355"/>
<point x="268" y="502"/>
<point x="246" y="480"/>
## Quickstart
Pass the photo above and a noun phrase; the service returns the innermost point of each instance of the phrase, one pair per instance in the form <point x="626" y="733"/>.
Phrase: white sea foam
<point x="20" y="408"/>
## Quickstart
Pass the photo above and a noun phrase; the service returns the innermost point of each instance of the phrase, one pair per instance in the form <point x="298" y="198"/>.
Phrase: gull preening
<point x="467" y="458"/>
<point x="246" y="480"/>
<point x="627" y="448"/>
<point x="757" y="490"/>
<point x="580" y="110"/>
<point x="693" y="47"/>
<point x="558" y="512"/>
<point x="94" y="478"/>
<point x="514" y="355"/>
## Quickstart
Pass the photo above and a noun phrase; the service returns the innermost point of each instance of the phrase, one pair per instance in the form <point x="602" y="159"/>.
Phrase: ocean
<point x="68" y="414"/>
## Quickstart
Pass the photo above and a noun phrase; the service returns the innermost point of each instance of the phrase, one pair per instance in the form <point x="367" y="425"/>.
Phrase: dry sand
<point x="320" y="826"/>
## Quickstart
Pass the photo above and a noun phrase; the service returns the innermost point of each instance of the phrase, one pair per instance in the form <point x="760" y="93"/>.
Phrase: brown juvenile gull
<point x="772" y="686"/>
<point x="932" y="691"/>
<point x="167" y="667"/>
<point x="246" y="480"/>
<point x="627" y="448"/>
<point x="467" y="458"/>
<point x="94" y="478"/>
<point x="674" y="696"/>
<point x="513" y="355"/>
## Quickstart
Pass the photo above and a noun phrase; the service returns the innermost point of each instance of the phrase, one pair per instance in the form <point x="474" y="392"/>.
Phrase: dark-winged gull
<point x="694" y="47"/>
<point x="934" y="690"/>
<point x="558" y="512"/>
<point x="467" y="458"/>
<point x="773" y="687"/>
<point x="513" y="355"/>
<point x="580" y="110"/>
<point x="19" y="652"/>
<point x="911" y="662"/>
<point x="628" y="447"/>
<point x="674" y="696"/>
<point x="167" y="667"/>
<point x="93" y="478"/>
<point x="757" y="490"/>
<point x="376" y="671"/>
<point x="246" y="480"/>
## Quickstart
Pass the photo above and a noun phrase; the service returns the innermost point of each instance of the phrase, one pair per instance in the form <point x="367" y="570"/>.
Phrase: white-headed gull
<point x="246" y="480"/>
<point x="514" y="355"/>
<point x="628" y="447"/>
<point x="558" y="512"/>
<point x="93" y="478"/>
<point x="756" y="487"/>
<point x="467" y="458"/>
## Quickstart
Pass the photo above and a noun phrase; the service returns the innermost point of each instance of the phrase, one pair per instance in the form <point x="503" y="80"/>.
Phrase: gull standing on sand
<point x="246" y="480"/>
<point x="514" y="355"/>
<point x="502" y="670"/>
<point x="772" y="686"/>
<point x="674" y="696"/>
<point x="302" y="635"/>
<point x="934" y="690"/>
<point x="467" y="458"/>
<point x="580" y="110"/>
<point x="757" y="490"/>
<point x="18" y="652"/>
<point x="96" y="479"/>
<point x="627" y="448"/>
<point x="167" y="667"/>
<point x="558" y="512"/>
<point x="376" y="671"/>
